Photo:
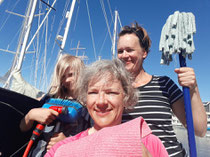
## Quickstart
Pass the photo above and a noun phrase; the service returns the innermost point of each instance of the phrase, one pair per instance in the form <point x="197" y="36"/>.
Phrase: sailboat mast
<point x="25" y="40"/>
<point x="17" y="62"/>
<point x="41" y="25"/>
<point x="114" y="36"/>
<point x="67" y="26"/>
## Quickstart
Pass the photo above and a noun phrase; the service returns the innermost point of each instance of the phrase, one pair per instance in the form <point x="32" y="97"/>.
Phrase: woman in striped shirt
<point x="159" y="96"/>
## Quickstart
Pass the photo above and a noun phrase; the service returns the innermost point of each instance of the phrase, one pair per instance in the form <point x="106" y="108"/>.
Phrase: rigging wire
<point x="76" y="17"/>
<point x="110" y="10"/>
<point x="32" y="70"/>
<point x="93" y="42"/>
<point x="48" y="4"/>
<point x="119" y="20"/>
<point x="36" y="54"/>
<point x="17" y="32"/>
<point x="102" y="46"/>
<point x="105" y="16"/>
<point x="47" y="40"/>
<point x="49" y="65"/>
<point x="44" y="76"/>
<point x="42" y="57"/>
<point x="20" y="42"/>
<point x="14" y="37"/>
<point x="51" y="32"/>
<point x="104" y="40"/>
<point x="37" y="48"/>
<point x="46" y="16"/>
<point x="58" y="30"/>
<point x="9" y="15"/>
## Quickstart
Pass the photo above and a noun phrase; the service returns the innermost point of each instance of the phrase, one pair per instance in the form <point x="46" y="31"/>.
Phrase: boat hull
<point x="13" y="107"/>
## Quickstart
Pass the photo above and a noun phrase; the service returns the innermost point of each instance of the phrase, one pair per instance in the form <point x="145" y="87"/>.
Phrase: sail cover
<point x="21" y="86"/>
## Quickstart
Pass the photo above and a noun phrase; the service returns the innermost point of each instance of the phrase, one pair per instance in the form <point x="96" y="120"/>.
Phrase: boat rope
<point x="91" y="31"/>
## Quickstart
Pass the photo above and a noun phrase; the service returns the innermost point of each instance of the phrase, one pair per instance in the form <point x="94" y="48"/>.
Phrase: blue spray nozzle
<point x="74" y="109"/>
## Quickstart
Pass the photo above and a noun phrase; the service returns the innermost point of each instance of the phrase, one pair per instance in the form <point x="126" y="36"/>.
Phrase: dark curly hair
<point x="140" y="32"/>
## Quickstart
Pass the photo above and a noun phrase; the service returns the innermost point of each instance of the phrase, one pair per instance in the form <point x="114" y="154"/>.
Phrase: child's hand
<point x="42" y="115"/>
<point x="56" y="138"/>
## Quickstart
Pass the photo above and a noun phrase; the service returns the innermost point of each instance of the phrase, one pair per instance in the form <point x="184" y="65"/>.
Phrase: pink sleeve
<point x="154" y="146"/>
<point x="52" y="151"/>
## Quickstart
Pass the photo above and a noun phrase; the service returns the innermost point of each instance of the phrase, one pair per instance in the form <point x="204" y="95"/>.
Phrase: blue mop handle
<point x="188" y="114"/>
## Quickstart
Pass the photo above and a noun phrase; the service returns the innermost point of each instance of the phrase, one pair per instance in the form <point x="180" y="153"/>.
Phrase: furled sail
<point x="19" y="85"/>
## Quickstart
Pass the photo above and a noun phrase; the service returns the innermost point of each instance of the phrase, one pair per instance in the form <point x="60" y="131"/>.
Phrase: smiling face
<point x="130" y="51"/>
<point x="105" y="102"/>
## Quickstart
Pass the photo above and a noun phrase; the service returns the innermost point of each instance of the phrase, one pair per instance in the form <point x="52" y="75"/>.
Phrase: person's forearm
<point x="26" y="124"/>
<point x="199" y="113"/>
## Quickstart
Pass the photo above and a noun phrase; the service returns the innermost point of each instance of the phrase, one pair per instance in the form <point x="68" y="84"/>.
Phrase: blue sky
<point x="151" y="14"/>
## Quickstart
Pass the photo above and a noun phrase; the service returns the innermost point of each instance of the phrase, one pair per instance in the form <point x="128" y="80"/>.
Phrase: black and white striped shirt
<point x="154" y="105"/>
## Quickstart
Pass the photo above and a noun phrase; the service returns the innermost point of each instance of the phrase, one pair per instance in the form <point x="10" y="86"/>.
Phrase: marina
<point x="208" y="122"/>
<point x="202" y="143"/>
<point x="34" y="53"/>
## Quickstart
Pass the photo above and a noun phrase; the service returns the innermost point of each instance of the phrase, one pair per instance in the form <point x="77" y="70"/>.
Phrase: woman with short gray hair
<point x="99" y="70"/>
<point x="105" y="88"/>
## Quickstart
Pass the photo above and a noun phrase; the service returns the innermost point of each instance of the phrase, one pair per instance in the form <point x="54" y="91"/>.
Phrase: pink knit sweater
<point x="120" y="140"/>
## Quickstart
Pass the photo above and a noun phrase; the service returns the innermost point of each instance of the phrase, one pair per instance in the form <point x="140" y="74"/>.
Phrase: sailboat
<point x="36" y="61"/>
<point x="15" y="105"/>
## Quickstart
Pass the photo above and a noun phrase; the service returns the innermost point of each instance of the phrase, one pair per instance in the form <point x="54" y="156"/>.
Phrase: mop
<point x="177" y="37"/>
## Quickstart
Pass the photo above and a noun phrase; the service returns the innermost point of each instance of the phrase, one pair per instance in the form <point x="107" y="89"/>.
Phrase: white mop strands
<point x="177" y="36"/>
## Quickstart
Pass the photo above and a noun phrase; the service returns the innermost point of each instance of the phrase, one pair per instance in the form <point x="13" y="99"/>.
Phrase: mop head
<point x="177" y="36"/>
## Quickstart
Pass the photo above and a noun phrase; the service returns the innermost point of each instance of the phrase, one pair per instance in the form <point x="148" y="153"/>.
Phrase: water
<point x="202" y="144"/>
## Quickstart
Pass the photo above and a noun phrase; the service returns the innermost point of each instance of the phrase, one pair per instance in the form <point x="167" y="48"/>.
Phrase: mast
<point x="69" y="16"/>
<point x="46" y="16"/>
<point x="25" y="40"/>
<point x="77" y="49"/>
<point x="114" y="35"/>
<point x="17" y="63"/>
